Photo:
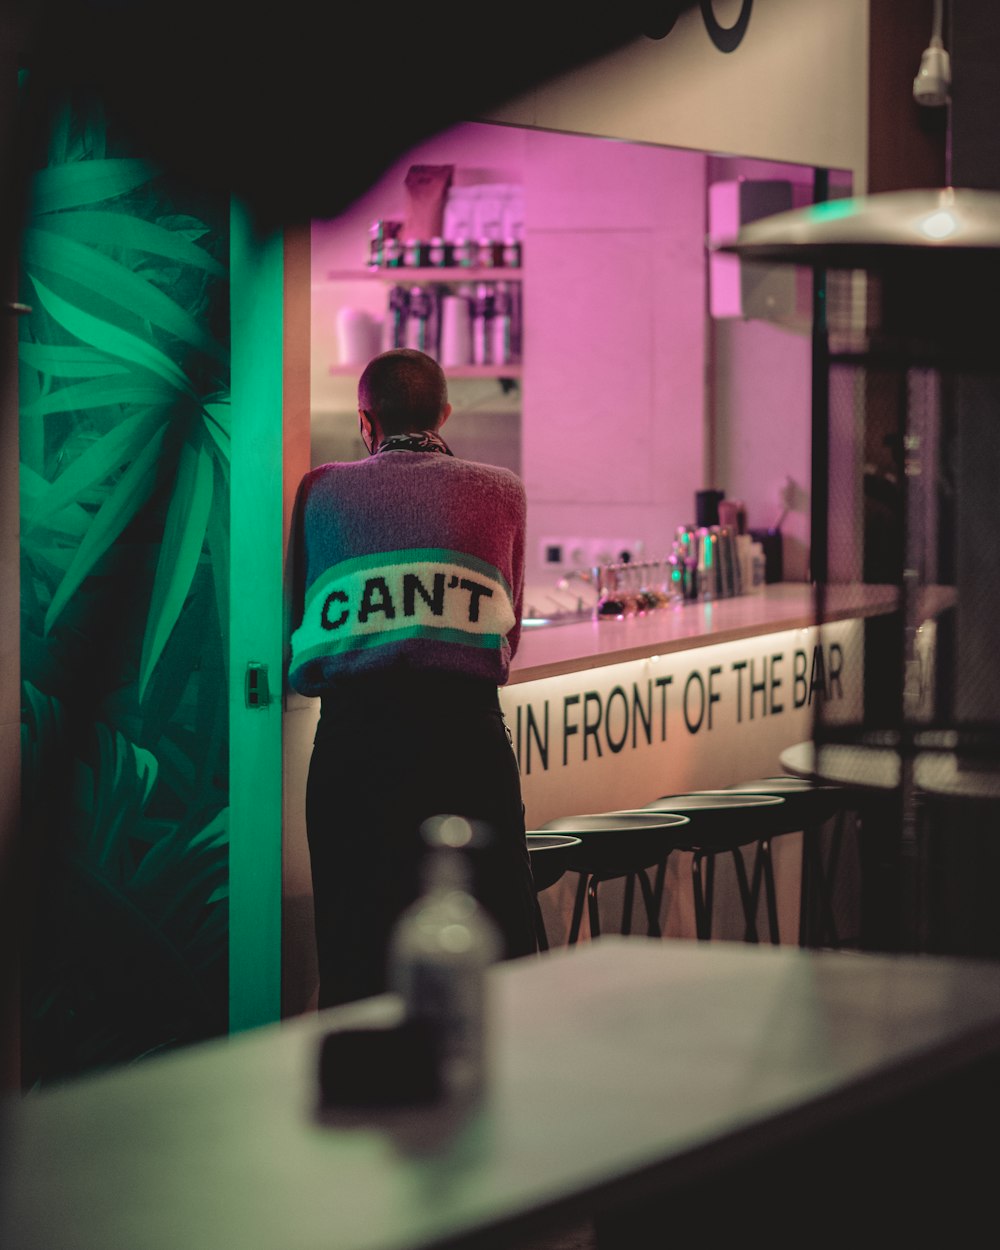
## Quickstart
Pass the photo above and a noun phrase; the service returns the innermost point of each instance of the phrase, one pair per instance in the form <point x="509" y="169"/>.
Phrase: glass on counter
<point x="611" y="599"/>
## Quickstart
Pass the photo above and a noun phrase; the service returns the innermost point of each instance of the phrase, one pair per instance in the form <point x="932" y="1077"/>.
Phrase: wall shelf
<point x="452" y="371"/>
<point x="403" y="275"/>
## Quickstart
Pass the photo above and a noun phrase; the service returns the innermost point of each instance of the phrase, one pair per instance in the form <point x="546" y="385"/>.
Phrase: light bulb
<point x="931" y="85"/>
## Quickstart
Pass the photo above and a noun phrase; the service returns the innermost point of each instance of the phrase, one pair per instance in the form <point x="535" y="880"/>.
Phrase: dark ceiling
<point x="299" y="107"/>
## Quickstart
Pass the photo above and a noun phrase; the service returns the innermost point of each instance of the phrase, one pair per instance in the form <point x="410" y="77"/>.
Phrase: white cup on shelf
<point x="359" y="336"/>
<point x="456" y="331"/>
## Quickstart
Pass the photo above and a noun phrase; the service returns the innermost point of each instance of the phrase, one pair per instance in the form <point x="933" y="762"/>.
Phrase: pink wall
<point x="614" y="429"/>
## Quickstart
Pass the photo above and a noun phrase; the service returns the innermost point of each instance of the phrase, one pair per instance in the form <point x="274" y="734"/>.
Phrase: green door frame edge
<point x="256" y="623"/>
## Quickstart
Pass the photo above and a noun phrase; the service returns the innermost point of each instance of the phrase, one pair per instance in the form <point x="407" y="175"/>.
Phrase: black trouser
<point x="391" y="750"/>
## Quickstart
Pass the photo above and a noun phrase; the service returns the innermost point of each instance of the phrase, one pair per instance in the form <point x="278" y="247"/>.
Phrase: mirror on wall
<point x="643" y="370"/>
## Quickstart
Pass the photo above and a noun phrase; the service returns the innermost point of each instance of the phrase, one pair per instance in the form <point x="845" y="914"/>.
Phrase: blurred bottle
<point x="612" y="602"/>
<point x="729" y="573"/>
<point x="394" y="325"/>
<point x="501" y="345"/>
<point x="421" y="321"/>
<point x="759" y="567"/>
<point x="376" y="244"/>
<point x="708" y="564"/>
<point x="439" y="953"/>
<point x="482" y="324"/>
<point x="686" y="549"/>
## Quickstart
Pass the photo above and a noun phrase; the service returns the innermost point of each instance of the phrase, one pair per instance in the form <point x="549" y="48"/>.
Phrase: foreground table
<point x="625" y="1069"/>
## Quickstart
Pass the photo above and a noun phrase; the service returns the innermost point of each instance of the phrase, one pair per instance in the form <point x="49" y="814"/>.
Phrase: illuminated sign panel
<point x="624" y="734"/>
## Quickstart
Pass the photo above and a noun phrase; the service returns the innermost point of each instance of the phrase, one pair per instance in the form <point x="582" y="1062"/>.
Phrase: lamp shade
<point x="878" y="231"/>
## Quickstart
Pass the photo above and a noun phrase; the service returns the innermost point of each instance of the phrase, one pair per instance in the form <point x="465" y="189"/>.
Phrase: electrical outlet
<point x="583" y="553"/>
<point x="553" y="552"/>
<point x="614" y="550"/>
<point x="565" y="553"/>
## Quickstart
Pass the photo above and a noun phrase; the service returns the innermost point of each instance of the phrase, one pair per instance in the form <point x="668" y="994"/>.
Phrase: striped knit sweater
<point x="408" y="559"/>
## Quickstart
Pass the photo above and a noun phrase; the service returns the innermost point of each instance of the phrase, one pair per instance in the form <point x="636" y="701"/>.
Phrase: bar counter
<point x="550" y="650"/>
<point x="608" y="714"/>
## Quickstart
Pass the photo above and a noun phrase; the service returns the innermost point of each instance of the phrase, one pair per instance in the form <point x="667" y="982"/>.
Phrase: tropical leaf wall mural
<point x="124" y="422"/>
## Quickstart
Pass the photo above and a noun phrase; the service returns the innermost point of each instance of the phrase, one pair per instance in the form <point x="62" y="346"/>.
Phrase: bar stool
<point x="718" y="821"/>
<point x="616" y="845"/>
<point x="549" y="860"/>
<point x="808" y="806"/>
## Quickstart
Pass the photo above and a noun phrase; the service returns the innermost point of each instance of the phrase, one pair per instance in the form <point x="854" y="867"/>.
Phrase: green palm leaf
<point x="217" y="424"/>
<point x="127" y="388"/>
<point x="120" y="446"/>
<point x="130" y="493"/>
<point x="66" y="361"/>
<point x="114" y="230"/>
<point x="109" y="338"/>
<point x="69" y="519"/>
<point x="114" y="282"/>
<point x="87" y="182"/>
<point x="183" y="539"/>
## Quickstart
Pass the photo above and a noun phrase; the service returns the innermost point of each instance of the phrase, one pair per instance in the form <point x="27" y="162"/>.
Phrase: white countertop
<point x="621" y="1069"/>
<point x="547" y="651"/>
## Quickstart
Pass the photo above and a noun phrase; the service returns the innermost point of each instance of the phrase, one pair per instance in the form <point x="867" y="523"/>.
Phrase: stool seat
<point x="616" y="843"/>
<point x="809" y="805"/>
<point x="806" y="802"/>
<point x="718" y="821"/>
<point x="613" y="845"/>
<point x="549" y="856"/>
<point x="549" y="861"/>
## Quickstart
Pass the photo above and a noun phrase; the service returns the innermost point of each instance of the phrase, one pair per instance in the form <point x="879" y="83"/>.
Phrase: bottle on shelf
<point x="482" y="324"/>
<point x="396" y="318"/>
<point x="439" y="253"/>
<point x="393" y="253"/>
<point x="463" y="252"/>
<point x="501" y="340"/>
<point x="512" y="253"/>
<point x="376" y="244"/>
<point x="439" y="954"/>
<point x="416" y="253"/>
<point x="422" y="320"/>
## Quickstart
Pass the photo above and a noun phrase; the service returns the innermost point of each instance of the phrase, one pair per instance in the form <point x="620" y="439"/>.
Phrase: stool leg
<point x="827" y="878"/>
<point x="592" y="909"/>
<point x="659" y="881"/>
<point x="703" y="882"/>
<point x="807" y="887"/>
<point x="652" y="911"/>
<point x="627" y="903"/>
<point x="766" y="860"/>
<point x="749" y="908"/>
<point x="817" y="923"/>
<point x="541" y="936"/>
<point x="578" y="903"/>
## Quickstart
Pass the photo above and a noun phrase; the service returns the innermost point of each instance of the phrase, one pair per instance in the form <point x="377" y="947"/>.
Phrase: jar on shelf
<point x="489" y="254"/>
<point x="463" y="253"/>
<point x="511" y="254"/>
<point x="416" y="253"/>
<point x="393" y="253"/>
<point x="439" y="253"/>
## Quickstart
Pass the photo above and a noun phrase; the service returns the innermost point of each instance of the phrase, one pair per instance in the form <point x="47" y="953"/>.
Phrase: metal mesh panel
<point x="911" y="387"/>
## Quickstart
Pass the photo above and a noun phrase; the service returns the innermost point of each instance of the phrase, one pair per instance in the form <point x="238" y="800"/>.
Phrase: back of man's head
<point x="403" y="390"/>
